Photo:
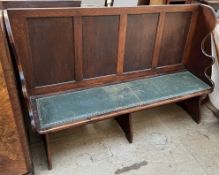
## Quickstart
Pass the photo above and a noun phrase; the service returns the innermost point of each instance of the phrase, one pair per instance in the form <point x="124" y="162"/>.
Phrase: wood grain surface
<point x="14" y="153"/>
<point x="11" y="155"/>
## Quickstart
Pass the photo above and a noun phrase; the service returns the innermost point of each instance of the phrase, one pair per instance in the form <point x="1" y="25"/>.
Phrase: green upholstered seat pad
<point x="84" y="104"/>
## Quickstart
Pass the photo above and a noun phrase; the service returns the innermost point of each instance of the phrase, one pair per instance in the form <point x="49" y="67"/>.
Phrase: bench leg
<point x="192" y="106"/>
<point x="48" y="151"/>
<point x="125" y="123"/>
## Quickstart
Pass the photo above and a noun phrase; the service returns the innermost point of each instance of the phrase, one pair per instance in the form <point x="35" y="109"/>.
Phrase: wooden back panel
<point x="70" y="48"/>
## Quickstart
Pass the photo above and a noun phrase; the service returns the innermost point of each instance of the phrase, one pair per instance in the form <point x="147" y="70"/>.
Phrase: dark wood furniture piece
<point x="38" y="4"/>
<point x="212" y="3"/>
<point x="179" y="1"/>
<point x="157" y="2"/>
<point x="143" y="2"/>
<point x="151" y="2"/>
<point x="83" y="65"/>
<point x="14" y="152"/>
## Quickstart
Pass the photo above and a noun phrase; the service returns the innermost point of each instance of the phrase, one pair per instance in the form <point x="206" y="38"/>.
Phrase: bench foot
<point x="48" y="151"/>
<point x="192" y="106"/>
<point x="125" y="123"/>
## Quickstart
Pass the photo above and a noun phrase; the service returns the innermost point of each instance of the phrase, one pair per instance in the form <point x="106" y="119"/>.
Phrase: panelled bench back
<point x="81" y="65"/>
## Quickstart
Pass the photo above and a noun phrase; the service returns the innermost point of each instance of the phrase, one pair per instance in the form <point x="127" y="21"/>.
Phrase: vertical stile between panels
<point x="158" y="41"/>
<point x="77" y="21"/>
<point x="121" y="43"/>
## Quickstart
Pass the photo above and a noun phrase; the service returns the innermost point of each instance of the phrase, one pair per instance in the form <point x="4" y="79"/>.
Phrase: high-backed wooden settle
<point x="61" y="50"/>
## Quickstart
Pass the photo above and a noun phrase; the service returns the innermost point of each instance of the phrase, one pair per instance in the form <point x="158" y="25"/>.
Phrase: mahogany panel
<point x="100" y="45"/>
<point x="174" y="38"/>
<point x="140" y="41"/>
<point x="52" y="50"/>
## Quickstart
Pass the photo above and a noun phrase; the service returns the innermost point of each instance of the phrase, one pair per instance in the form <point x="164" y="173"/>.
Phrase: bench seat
<point x="75" y="106"/>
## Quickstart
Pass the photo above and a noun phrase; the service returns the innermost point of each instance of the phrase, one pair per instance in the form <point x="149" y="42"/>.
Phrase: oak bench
<point x="83" y="65"/>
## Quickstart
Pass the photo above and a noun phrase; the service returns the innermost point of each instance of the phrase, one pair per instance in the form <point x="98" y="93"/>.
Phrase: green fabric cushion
<point x="84" y="104"/>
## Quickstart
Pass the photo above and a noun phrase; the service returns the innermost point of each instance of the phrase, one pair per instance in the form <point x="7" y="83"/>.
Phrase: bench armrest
<point x="200" y="59"/>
